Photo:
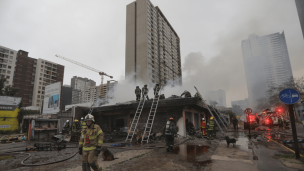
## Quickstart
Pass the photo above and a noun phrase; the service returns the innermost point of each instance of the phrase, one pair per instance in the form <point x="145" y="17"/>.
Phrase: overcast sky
<point x="93" y="33"/>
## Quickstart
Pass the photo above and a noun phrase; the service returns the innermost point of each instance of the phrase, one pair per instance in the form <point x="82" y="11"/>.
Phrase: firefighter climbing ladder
<point x="150" y="120"/>
<point x="210" y="111"/>
<point x="136" y="119"/>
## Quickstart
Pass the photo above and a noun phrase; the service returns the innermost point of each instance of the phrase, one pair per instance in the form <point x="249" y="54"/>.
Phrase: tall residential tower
<point x="152" y="46"/>
<point x="266" y="62"/>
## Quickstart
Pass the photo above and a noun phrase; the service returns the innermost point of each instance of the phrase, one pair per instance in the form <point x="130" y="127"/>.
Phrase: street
<point x="191" y="153"/>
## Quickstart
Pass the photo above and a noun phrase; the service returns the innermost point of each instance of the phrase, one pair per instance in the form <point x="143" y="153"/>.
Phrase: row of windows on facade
<point x="161" y="24"/>
<point x="164" y="42"/>
<point x="4" y="56"/>
<point x="6" y="51"/>
<point x="163" y="35"/>
<point x="162" y="29"/>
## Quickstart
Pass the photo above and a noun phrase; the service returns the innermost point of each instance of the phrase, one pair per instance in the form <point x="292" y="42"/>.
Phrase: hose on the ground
<point x="29" y="155"/>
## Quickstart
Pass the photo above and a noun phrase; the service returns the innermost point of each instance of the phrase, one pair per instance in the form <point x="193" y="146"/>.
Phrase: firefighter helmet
<point x="211" y="117"/>
<point x="76" y="120"/>
<point x="89" y="117"/>
<point x="81" y="118"/>
<point x="171" y="119"/>
<point x="146" y="85"/>
<point x="203" y="119"/>
<point x="67" y="121"/>
<point x="137" y="86"/>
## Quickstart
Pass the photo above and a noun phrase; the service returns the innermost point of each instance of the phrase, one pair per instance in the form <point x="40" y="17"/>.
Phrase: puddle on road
<point x="189" y="153"/>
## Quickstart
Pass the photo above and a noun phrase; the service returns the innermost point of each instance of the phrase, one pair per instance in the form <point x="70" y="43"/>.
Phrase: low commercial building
<point x="183" y="110"/>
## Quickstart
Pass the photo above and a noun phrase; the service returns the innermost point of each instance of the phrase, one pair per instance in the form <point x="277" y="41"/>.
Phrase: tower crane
<point x="90" y="68"/>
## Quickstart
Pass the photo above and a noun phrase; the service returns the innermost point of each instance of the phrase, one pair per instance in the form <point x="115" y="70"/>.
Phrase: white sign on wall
<point x="51" y="102"/>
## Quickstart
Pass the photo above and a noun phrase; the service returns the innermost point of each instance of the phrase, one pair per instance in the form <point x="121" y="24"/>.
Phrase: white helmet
<point x="81" y="118"/>
<point x="203" y="119"/>
<point x="89" y="117"/>
<point x="67" y="121"/>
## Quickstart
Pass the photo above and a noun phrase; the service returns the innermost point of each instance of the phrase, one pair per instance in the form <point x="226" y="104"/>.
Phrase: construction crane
<point x="90" y="68"/>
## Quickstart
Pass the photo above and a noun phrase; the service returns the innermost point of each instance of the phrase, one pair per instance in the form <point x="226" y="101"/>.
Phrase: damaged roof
<point x="169" y="102"/>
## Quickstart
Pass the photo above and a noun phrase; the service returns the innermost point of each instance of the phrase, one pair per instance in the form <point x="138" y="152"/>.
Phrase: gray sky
<point x="93" y="33"/>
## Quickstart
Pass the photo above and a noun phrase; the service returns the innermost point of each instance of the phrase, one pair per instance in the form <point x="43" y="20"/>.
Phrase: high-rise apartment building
<point x="92" y="93"/>
<point x="152" y="46"/>
<point x="266" y="62"/>
<point x="8" y="58"/>
<point x="32" y="75"/>
<point x="219" y="96"/>
<point x="80" y="84"/>
<point x="300" y="9"/>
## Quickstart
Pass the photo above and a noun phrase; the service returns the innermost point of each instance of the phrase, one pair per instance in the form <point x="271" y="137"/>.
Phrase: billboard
<point x="51" y="102"/>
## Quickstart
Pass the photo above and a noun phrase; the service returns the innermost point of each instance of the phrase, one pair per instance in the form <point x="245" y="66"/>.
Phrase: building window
<point x="41" y="70"/>
<point x="38" y="101"/>
<point x="8" y="72"/>
<point x="7" y="77"/>
<point x="42" y="92"/>
<point x="42" y="62"/>
<point x="38" y="91"/>
<point x="42" y="66"/>
<point x="38" y="96"/>
<point x="39" y="87"/>
<point x="3" y="71"/>
<point x="11" y="57"/>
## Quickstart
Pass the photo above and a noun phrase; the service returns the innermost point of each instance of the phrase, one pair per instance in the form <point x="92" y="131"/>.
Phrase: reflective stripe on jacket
<point x="95" y="136"/>
<point x="211" y="125"/>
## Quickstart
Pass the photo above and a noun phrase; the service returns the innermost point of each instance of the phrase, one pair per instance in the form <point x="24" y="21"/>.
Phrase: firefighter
<point x="145" y="91"/>
<point x="287" y="122"/>
<point x="90" y="144"/>
<point x="137" y="93"/>
<point x="191" y="129"/>
<point x="169" y="131"/>
<point x="210" y="127"/>
<point x="162" y="96"/>
<point x="66" y="127"/>
<point x="156" y="89"/>
<point x="280" y="122"/>
<point x="75" y="125"/>
<point x="198" y="96"/>
<point x="203" y="127"/>
<point x="83" y="124"/>
<point x="187" y="94"/>
<point x="235" y="123"/>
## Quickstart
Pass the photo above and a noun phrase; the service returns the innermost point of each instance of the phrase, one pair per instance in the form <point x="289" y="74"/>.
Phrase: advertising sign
<point x="51" y="102"/>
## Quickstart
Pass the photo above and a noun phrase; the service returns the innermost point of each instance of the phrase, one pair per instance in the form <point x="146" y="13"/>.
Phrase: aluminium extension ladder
<point x="135" y="119"/>
<point x="218" y="113"/>
<point x="150" y="120"/>
<point x="210" y="111"/>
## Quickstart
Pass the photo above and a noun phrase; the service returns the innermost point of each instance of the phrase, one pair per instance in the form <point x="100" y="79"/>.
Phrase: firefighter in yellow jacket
<point x="90" y="144"/>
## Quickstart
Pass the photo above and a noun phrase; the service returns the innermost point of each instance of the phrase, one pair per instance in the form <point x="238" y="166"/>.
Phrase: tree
<point x="237" y="110"/>
<point x="275" y="89"/>
<point x="7" y="90"/>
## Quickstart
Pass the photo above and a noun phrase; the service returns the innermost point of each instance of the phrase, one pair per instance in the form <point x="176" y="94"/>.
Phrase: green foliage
<point x="231" y="114"/>
<point x="272" y="99"/>
<point x="7" y="90"/>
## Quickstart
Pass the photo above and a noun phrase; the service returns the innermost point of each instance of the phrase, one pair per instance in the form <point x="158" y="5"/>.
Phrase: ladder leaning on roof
<point x="209" y="111"/>
<point x="219" y="117"/>
<point x="218" y="113"/>
<point x="135" y="119"/>
<point x="150" y="120"/>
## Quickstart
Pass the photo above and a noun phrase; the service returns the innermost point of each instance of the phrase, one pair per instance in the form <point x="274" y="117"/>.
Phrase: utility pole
<point x="294" y="130"/>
